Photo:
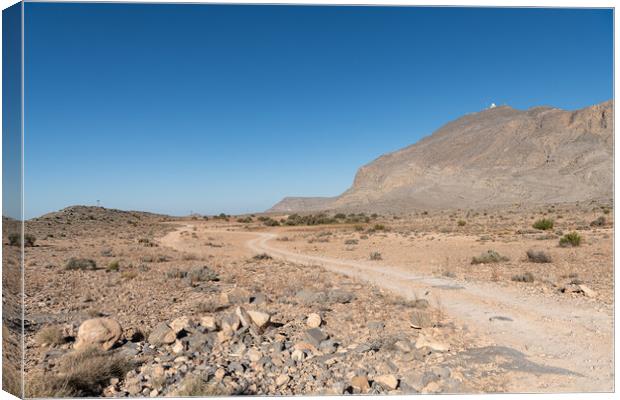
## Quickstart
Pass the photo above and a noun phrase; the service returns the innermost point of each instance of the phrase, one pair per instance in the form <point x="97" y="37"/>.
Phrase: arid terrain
<point x="439" y="301"/>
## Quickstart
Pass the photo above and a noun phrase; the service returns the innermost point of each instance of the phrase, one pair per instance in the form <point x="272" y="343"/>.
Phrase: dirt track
<point x="549" y="345"/>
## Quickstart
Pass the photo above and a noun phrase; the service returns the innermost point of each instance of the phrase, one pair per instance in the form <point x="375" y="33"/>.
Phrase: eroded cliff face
<point x="496" y="156"/>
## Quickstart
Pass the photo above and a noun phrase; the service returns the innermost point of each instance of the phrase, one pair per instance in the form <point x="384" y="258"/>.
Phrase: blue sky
<point x="210" y="108"/>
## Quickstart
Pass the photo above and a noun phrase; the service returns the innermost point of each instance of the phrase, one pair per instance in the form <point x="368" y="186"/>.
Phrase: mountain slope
<point x="496" y="156"/>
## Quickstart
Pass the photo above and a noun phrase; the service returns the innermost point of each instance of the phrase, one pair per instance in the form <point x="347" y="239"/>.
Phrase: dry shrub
<point x="491" y="256"/>
<point x="526" y="277"/>
<point x="195" y="386"/>
<point x="81" y="264"/>
<point x="50" y="336"/>
<point x="538" y="256"/>
<point x="81" y="374"/>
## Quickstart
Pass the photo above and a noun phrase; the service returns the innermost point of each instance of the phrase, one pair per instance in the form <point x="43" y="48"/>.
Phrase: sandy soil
<point x="552" y="333"/>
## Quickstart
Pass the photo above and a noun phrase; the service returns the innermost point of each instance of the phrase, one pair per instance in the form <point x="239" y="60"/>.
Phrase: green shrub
<point x="81" y="264"/>
<point x="15" y="239"/>
<point x="340" y="216"/>
<point x="245" y="220"/>
<point x="600" y="221"/>
<point x="543" y="224"/>
<point x="572" y="239"/>
<point x="271" y="222"/>
<point x="461" y="222"/>
<point x="491" y="256"/>
<point x="114" y="266"/>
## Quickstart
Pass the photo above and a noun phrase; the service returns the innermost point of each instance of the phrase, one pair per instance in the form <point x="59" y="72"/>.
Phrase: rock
<point x="230" y="323"/>
<point x="315" y="336"/>
<point x="178" y="347"/>
<point x="235" y="296"/>
<point x="180" y="324"/>
<point x="404" y="346"/>
<point x="313" y="320"/>
<point x="254" y="355"/>
<point x="259" y="318"/>
<point x="197" y="341"/>
<point x="436" y="346"/>
<point x="298" y="355"/>
<point x="98" y="332"/>
<point x="133" y="386"/>
<point x="258" y="298"/>
<point x="162" y="334"/>
<point x="587" y="291"/>
<point x="243" y="316"/>
<point x="414" y="381"/>
<point x="360" y="383"/>
<point x="209" y="323"/>
<point x="387" y="381"/>
<point x="432" y="387"/>
<point x="311" y="298"/>
<point x="340" y="296"/>
<point x="282" y="380"/>
<point x="328" y="346"/>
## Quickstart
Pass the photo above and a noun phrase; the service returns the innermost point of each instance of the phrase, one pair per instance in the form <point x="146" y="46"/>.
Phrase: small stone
<point x="254" y="355"/>
<point x="178" y="347"/>
<point x="432" y="387"/>
<point x="208" y="322"/>
<point x="98" y="332"/>
<point x="361" y="383"/>
<point x="219" y="374"/>
<point x="403" y="346"/>
<point x="230" y="323"/>
<point x="587" y="291"/>
<point x="313" y="320"/>
<point x="436" y="346"/>
<point x="315" y="336"/>
<point x="282" y="380"/>
<point x="162" y="334"/>
<point x="180" y="324"/>
<point x="387" y="381"/>
<point x="298" y="355"/>
<point x="259" y="318"/>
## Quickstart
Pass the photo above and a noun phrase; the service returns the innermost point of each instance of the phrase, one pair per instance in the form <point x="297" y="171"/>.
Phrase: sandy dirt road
<point x="548" y="345"/>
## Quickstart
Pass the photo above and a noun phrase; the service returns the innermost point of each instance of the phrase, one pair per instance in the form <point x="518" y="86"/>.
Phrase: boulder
<point x="102" y="333"/>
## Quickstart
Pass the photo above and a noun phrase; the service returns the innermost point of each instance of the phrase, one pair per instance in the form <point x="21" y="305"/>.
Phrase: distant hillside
<point x="493" y="157"/>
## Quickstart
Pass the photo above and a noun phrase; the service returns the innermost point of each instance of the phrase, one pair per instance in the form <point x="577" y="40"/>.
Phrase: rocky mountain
<point x="493" y="157"/>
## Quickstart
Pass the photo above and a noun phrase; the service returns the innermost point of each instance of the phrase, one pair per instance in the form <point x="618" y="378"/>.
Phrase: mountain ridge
<point x="495" y="156"/>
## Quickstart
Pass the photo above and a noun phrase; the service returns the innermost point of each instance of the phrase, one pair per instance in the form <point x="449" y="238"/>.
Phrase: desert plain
<point x="497" y="299"/>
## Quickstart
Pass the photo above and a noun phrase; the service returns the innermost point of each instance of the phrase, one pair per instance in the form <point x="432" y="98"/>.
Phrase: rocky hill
<point x="493" y="157"/>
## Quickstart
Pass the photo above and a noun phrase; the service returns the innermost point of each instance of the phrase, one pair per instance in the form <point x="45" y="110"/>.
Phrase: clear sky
<point x="210" y="108"/>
